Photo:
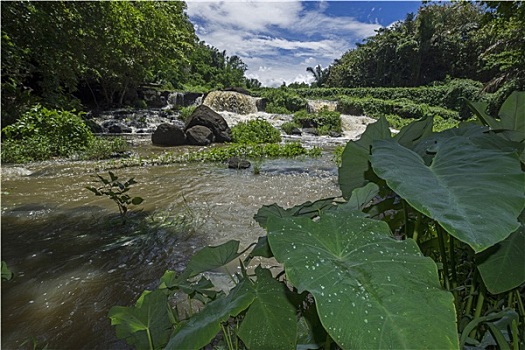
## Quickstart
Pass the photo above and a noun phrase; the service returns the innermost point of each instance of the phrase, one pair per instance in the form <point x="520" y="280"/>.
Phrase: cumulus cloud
<point x="277" y="39"/>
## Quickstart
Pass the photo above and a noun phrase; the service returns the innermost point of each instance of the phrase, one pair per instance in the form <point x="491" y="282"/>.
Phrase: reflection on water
<point x="73" y="260"/>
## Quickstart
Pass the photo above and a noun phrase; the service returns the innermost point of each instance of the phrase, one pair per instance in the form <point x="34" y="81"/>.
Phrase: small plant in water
<point x="116" y="191"/>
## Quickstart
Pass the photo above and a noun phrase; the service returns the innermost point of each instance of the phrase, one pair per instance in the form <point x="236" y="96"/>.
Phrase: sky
<point x="278" y="40"/>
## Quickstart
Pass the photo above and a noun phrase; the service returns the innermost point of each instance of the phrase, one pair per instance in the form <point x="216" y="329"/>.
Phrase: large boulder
<point x="168" y="135"/>
<point x="199" y="135"/>
<point x="205" y="116"/>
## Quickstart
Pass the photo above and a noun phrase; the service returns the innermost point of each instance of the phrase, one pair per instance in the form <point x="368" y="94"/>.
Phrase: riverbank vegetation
<point x="366" y="270"/>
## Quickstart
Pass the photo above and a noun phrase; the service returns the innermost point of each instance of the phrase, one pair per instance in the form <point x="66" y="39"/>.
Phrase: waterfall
<point x="231" y="101"/>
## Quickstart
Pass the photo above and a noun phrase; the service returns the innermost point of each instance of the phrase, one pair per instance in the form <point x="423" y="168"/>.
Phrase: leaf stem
<point x="443" y="253"/>
<point x="150" y="340"/>
<point x="479" y="308"/>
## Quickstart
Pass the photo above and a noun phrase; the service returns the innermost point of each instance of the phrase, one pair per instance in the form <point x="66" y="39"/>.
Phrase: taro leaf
<point x="371" y="291"/>
<point x="202" y="327"/>
<point x="512" y="112"/>
<point x="262" y="248"/>
<point x="308" y="209"/>
<point x="360" y="198"/>
<point x="204" y="286"/>
<point x="355" y="168"/>
<point x="210" y="258"/>
<point x="147" y="324"/>
<point x="411" y="134"/>
<point x="475" y="194"/>
<point x="503" y="267"/>
<point x="270" y="322"/>
<point x="479" y="109"/>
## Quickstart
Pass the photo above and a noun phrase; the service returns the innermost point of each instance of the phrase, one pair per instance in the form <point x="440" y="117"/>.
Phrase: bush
<point x="186" y="112"/>
<point x="104" y="148"/>
<point x="289" y="126"/>
<point x="65" y="130"/>
<point x="26" y="150"/>
<point x="324" y="121"/>
<point x="255" y="131"/>
<point x="283" y="100"/>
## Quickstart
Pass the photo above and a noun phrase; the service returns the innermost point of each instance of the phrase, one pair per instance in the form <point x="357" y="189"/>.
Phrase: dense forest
<point x="69" y="54"/>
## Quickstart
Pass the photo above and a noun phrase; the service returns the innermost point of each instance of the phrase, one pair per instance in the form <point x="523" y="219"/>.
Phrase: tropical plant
<point x="324" y="121"/>
<point x="431" y="224"/>
<point x="6" y="272"/>
<point x="320" y="75"/>
<point x="117" y="192"/>
<point x="255" y="131"/>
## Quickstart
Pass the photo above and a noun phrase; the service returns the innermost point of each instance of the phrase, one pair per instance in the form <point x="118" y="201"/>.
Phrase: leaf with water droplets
<point x="371" y="291"/>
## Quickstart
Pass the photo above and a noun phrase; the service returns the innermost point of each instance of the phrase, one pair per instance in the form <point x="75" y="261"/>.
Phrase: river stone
<point x="237" y="163"/>
<point x="168" y="135"/>
<point x="199" y="135"/>
<point x="205" y="116"/>
<point x="118" y="128"/>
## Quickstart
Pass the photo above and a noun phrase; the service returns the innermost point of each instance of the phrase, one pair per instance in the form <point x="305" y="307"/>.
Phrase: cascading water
<point x="231" y="101"/>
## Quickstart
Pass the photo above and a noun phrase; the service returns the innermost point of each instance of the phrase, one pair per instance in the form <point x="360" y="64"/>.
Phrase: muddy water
<point x="73" y="259"/>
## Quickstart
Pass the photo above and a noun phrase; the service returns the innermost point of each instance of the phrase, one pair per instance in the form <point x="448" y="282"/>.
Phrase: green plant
<point x="104" y="148"/>
<point x="41" y="133"/>
<point x="255" y="131"/>
<point x="6" y="273"/>
<point x="116" y="191"/>
<point x="324" y="121"/>
<point x="288" y="127"/>
<point x="431" y="224"/>
<point x="186" y="112"/>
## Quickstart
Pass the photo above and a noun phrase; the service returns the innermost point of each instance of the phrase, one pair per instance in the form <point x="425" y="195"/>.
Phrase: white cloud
<point x="277" y="40"/>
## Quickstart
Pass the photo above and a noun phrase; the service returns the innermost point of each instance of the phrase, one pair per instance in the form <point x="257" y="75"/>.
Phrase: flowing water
<point x="73" y="259"/>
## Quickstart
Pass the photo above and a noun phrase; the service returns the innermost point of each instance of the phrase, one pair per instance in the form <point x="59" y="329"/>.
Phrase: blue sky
<point x="279" y="39"/>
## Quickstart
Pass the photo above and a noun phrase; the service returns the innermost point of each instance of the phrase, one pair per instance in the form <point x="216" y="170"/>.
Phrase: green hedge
<point x="375" y="108"/>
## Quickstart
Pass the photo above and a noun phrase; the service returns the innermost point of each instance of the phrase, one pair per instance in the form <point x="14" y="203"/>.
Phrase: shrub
<point x="289" y="126"/>
<point x="64" y="132"/>
<point x="280" y="100"/>
<point x="26" y="150"/>
<point x="104" y="148"/>
<point x="324" y="121"/>
<point x="186" y="112"/>
<point x="255" y="131"/>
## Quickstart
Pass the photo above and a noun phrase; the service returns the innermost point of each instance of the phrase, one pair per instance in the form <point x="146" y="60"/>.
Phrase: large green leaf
<point x="202" y="327"/>
<point x="147" y="324"/>
<point x="411" y="134"/>
<point x="209" y="258"/>
<point x="308" y="209"/>
<point x="503" y="267"/>
<point x="475" y="193"/>
<point x="512" y="112"/>
<point x="355" y="168"/>
<point x="270" y="322"/>
<point x="371" y="291"/>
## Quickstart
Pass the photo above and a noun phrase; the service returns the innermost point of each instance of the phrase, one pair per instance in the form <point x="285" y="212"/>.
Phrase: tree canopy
<point x="457" y="40"/>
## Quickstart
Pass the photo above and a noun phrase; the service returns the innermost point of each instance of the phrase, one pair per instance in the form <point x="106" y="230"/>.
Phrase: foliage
<point x="221" y="153"/>
<point x="6" y="272"/>
<point x="53" y="49"/>
<point x="282" y="100"/>
<point x="41" y="133"/>
<point x="324" y="121"/>
<point x="255" y="131"/>
<point x="186" y="112"/>
<point x="104" y="148"/>
<point x="424" y="215"/>
<point x="320" y="75"/>
<point x="288" y="127"/>
<point x="116" y="191"/>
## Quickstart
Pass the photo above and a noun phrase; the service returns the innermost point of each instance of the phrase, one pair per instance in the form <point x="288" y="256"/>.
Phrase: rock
<point x="168" y="135"/>
<point x="199" y="135"/>
<point x="312" y="131"/>
<point x="335" y="134"/>
<point x="118" y="128"/>
<point x="296" y="131"/>
<point x="260" y="103"/>
<point x="237" y="163"/>
<point x="238" y="89"/>
<point x="205" y="116"/>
